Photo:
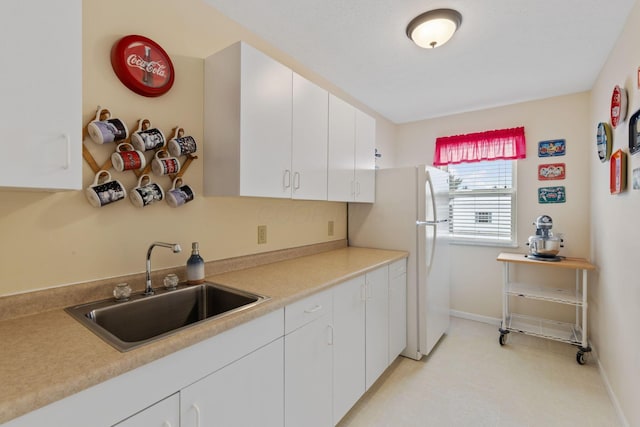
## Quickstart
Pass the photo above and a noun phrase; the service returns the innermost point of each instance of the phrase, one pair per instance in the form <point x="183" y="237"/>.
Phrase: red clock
<point x="142" y="65"/>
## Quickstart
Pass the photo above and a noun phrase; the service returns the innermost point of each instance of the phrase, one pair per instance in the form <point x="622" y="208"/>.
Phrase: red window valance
<point x="501" y="144"/>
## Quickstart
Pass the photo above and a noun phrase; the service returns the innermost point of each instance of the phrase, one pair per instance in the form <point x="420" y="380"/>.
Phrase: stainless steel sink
<point x="143" y="319"/>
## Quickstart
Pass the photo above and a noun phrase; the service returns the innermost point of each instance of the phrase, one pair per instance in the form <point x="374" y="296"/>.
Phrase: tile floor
<point x="469" y="380"/>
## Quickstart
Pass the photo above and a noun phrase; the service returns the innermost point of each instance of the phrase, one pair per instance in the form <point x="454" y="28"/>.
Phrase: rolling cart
<point x="576" y="333"/>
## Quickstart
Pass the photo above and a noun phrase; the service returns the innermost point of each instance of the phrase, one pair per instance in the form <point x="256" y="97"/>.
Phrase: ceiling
<point x="506" y="51"/>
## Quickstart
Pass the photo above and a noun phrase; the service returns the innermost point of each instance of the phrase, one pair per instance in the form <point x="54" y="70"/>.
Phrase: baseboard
<point x="612" y="395"/>
<point x="476" y="317"/>
<point x="594" y="356"/>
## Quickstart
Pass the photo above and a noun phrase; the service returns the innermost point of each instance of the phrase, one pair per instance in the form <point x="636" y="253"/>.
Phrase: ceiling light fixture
<point x="434" y="28"/>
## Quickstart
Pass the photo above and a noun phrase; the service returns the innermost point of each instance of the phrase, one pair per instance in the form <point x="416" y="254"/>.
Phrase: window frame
<point x="487" y="240"/>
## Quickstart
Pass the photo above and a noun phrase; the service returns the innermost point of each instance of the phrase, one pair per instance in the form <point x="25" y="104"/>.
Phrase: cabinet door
<point x="309" y="140"/>
<point x="365" y="146"/>
<point x="341" y="185"/>
<point x="348" y="345"/>
<point x="377" y="324"/>
<point x="165" y="413"/>
<point x="397" y="315"/>
<point x="41" y="87"/>
<point x="265" y="125"/>
<point x="307" y="374"/>
<point x="248" y="392"/>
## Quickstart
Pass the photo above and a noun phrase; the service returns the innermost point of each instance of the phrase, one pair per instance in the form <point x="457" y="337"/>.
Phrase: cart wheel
<point x="502" y="339"/>
<point x="580" y="358"/>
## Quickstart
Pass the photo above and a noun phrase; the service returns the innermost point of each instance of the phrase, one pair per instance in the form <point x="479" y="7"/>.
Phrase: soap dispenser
<point x="195" y="266"/>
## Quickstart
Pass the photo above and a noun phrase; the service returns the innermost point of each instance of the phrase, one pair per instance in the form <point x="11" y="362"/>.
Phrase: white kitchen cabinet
<point x="165" y="413"/>
<point x="248" y="392"/>
<point x="377" y="324"/>
<point x="351" y="159"/>
<point x="397" y="308"/>
<point x="348" y="345"/>
<point x="247" y="132"/>
<point x="308" y="358"/>
<point x="41" y="87"/>
<point x="309" y="140"/>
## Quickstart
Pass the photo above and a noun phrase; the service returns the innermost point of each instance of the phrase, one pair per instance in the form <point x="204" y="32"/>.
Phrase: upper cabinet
<point x="351" y="175"/>
<point x="41" y="87"/>
<point x="247" y="124"/>
<point x="267" y="133"/>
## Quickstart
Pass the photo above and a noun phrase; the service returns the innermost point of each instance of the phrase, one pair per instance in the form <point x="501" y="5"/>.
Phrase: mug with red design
<point x="126" y="158"/>
<point x="163" y="164"/>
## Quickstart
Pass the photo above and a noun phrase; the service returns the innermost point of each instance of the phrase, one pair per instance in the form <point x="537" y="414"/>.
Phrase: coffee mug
<point x="179" y="194"/>
<point x="162" y="164"/>
<point x="108" y="130"/>
<point x="146" y="192"/>
<point x="182" y="145"/>
<point x="147" y="138"/>
<point x="109" y="191"/>
<point x="126" y="158"/>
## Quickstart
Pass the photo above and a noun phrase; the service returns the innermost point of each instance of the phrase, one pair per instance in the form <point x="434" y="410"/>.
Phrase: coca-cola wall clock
<point x="142" y="65"/>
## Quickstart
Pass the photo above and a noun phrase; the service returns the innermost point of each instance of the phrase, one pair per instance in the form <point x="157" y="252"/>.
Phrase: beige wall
<point x="51" y="239"/>
<point x="615" y="236"/>
<point x="477" y="287"/>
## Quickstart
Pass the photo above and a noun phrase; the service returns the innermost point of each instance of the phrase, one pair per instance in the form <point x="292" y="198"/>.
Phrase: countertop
<point x="565" y="262"/>
<point x="49" y="356"/>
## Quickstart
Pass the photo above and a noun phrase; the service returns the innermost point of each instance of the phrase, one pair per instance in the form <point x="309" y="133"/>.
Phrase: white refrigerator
<point x="410" y="213"/>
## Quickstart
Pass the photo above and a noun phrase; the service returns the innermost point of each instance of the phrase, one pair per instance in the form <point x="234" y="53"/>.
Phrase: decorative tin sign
<point x="636" y="179"/>
<point x="552" y="148"/>
<point x="618" y="106"/>
<point x="604" y="141"/>
<point x="551" y="171"/>
<point x="552" y="195"/>
<point x="618" y="172"/>
<point x="142" y="65"/>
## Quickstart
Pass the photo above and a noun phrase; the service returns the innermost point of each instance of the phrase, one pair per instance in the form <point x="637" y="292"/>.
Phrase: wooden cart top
<point x="566" y="262"/>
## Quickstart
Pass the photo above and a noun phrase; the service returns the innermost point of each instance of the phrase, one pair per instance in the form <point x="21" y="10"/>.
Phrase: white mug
<point x="108" y="130"/>
<point x="146" y="192"/>
<point x="162" y="164"/>
<point x="126" y="158"/>
<point x="179" y="194"/>
<point x="180" y="145"/>
<point x="109" y="191"/>
<point x="147" y="138"/>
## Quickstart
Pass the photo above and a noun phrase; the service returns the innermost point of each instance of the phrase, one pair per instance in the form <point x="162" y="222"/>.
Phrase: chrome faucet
<point x="148" y="290"/>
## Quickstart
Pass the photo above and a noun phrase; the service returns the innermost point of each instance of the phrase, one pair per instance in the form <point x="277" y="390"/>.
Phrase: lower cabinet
<point x="377" y="324"/>
<point x="397" y="308"/>
<point x="308" y="356"/>
<point x="163" y="414"/>
<point x="248" y="392"/>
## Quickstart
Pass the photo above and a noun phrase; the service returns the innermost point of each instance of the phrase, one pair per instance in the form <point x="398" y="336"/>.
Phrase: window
<point x="482" y="202"/>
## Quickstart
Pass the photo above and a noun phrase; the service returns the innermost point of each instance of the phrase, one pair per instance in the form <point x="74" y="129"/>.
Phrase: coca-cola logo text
<point x="153" y="67"/>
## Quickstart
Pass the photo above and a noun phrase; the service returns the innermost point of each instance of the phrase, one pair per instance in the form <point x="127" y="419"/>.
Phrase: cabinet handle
<point x="197" y="410"/>
<point x="286" y="179"/>
<point x="296" y="180"/>
<point x="357" y="188"/>
<point x="67" y="139"/>
<point x="317" y="307"/>
<point x="353" y="188"/>
<point x="330" y="334"/>
<point x="369" y="290"/>
<point x="363" y="292"/>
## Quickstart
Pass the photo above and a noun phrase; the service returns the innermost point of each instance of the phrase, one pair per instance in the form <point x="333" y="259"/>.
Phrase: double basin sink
<point x="144" y="319"/>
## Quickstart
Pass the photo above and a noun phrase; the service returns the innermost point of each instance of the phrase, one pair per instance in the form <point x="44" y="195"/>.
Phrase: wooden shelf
<point x="566" y="262"/>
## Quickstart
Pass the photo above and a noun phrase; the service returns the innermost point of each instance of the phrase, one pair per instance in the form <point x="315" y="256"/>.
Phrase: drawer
<point x="398" y="268"/>
<point x="304" y="311"/>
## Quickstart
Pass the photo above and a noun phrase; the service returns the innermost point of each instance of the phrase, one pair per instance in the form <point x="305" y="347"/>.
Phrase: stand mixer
<point x="544" y="245"/>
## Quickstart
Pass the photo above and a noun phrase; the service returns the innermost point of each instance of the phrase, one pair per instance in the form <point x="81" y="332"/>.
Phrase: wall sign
<point x="552" y="148"/>
<point x="551" y="171"/>
<point x="552" y="195"/>
<point x="142" y="65"/>
<point x="618" y="106"/>
<point x="618" y="172"/>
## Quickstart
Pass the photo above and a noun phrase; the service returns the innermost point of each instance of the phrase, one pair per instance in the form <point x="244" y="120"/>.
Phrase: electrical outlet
<point x="262" y="234"/>
<point x="330" y="228"/>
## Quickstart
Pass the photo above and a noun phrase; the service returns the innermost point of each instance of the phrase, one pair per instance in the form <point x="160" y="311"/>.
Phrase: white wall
<point x="615" y="233"/>
<point x="476" y="277"/>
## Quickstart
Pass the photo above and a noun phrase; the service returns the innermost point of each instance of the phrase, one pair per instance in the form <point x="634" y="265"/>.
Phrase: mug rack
<point x="88" y="157"/>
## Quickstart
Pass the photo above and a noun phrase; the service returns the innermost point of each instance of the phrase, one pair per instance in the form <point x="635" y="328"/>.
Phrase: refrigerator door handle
<point x="431" y="222"/>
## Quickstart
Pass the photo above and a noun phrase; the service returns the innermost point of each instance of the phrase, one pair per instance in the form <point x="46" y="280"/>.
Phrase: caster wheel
<point x="580" y="358"/>
<point x="502" y="339"/>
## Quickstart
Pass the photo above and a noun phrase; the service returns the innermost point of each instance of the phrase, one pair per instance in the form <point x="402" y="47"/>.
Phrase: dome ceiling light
<point x="434" y="28"/>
